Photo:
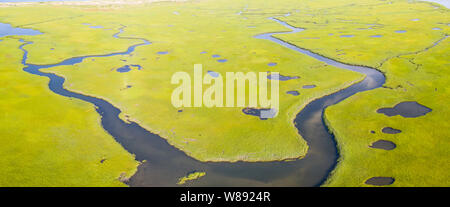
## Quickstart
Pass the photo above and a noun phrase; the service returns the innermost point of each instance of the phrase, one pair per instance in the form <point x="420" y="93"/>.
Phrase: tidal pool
<point x="376" y="36"/>
<point x="127" y="68"/>
<point x="380" y="181"/>
<point x="309" y="86"/>
<point x="272" y="64"/>
<point x="253" y="112"/>
<point x="8" y="30"/>
<point x="294" y="93"/>
<point x="408" y="109"/>
<point x="222" y="60"/>
<point x="124" y="69"/>
<point x="390" y="130"/>
<point x="383" y="144"/>
<point x="400" y="31"/>
<point x="347" y="35"/>
<point x="213" y="74"/>
<point x="263" y="114"/>
<point x="215" y="56"/>
<point x="162" y="53"/>
<point x="96" y="27"/>
<point x="281" y="77"/>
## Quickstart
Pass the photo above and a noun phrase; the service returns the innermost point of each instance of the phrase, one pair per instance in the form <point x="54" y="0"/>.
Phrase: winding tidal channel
<point x="164" y="164"/>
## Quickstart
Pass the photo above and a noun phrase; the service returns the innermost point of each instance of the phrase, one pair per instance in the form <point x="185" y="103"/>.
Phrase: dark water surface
<point x="309" y="86"/>
<point x="380" y="181"/>
<point x="390" y="130"/>
<point x="164" y="164"/>
<point x="294" y="93"/>
<point x="383" y="144"/>
<point x="281" y="77"/>
<point x="407" y="109"/>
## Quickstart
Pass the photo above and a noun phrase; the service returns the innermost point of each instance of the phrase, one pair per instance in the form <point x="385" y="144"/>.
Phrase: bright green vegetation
<point x="365" y="19"/>
<point x="49" y="140"/>
<point x="421" y="156"/>
<point x="191" y="176"/>
<point x="207" y="134"/>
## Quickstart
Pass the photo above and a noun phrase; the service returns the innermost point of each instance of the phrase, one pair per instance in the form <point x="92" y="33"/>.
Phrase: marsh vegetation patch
<point x="390" y="130"/>
<point x="190" y="177"/>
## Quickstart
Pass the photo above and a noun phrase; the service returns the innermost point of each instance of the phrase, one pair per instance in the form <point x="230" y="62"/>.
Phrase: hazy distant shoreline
<point x="445" y="3"/>
<point x="6" y="3"/>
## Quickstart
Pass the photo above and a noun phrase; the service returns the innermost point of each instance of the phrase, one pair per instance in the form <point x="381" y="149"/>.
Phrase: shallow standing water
<point x="164" y="164"/>
<point x="8" y="30"/>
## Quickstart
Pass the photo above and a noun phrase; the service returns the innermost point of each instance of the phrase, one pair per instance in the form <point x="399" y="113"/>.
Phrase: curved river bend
<point x="164" y="164"/>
